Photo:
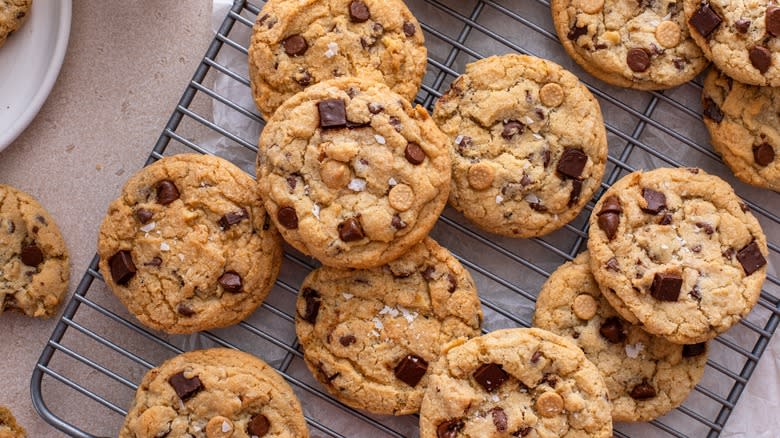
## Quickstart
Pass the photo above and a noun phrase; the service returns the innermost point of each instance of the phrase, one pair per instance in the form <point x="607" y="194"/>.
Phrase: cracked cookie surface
<point x="297" y="44"/>
<point x="13" y="13"/>
<point x="646" y="376"/>
<point x="680" y="250"/>
<point x="215" y="393"/>
<point x="8" y="426"/>
<point x="352" y="174"/>
<point x="528" y="144"/>
<point x="644" y="45"/>
<point x="515" y="382"/>
<point x="188" y="245"/>
<point x="369" y="336"/>
<point x="34" y="263"/>
<point x="744" y="125"/>
<point x="741" y="37"/>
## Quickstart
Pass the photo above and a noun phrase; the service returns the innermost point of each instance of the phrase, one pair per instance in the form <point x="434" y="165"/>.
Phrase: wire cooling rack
<point x="98" y="353"/>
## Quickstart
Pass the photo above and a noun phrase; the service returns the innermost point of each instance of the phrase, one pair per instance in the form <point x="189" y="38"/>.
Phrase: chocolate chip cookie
<point x="216" y="393"/>
<point x="8" y="426"/>
<point x="528" y="144"/>
<point x="515" y="382"/>
<point x="188" y="245"/>
<point x="12" y="15"/>
<point x="34" y="263"/>
<point x="636" y="44"/>
<point x="369" y="336"/>
<point x="680" y="250"/>
<point x="744" y="125"/>
<point x="741" y="37"/>
<point x="646" y="376"/>
<point x="297" y="44"/>
<point x="352" y="174"/>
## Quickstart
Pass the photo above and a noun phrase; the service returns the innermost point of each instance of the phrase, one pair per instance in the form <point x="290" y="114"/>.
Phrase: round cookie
<point x="12" y="15"/>
<point x="680" y="250"/>
<point x="741" y="37"/>
<point x="188" y="246"/>
<point x="215" y="393"/>
<point x="369" y="335"/>
<point x="34" y="264"/>
<point x="297" y="44"/>
<point x="515" y="382"/>
<point x="744" y="125"/>
<point x="528" y="144"/>
<point x="629" y="43"/>
<point x="352" y="174"/>
<point x="646" y="376"/>
<point x="8" y="426"/>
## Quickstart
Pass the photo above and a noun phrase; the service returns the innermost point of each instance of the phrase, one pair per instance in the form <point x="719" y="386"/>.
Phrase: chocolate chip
<point x="409" y="29"/>
<point x="258" y="426"/>
<point x="572" y="163"/>
<point x="398" y="223"/>
<point x="576" y="190"/>
<point x="546" y="157"/>
<point x="612" y="330"/>
<point x="695" y="293"/>
<point x="773" y="20"/>
<point x="303" y="78"/>
<point x="666" y="286"/>
<point x="375" y="108"/>
<point x="609" y="223"/>
<point x="122" y="267"/>
<point x="347" y="340"/>
<point x="156" y="261"/>
<point x="490" y="376"/>
<point x="763" y="154"/>
<point x="32" y="255"/>
<point x="656" y="201"/>
<point x="395" y="123"/>
<point x="414" y="154"/>
<point x="350" y="230"/>
<point x="643" y="391"/>
<point x="638" y="59"/>
<point x="611" y="205"/>
<point x="712" y="110"/>
<point x="313" y="302"/>
<point x="499" y="419"/>
<point x="537" y="205"/>
<point x="613" y="265"/>
<point x="428" y="272"/>
<point x="761" y="58"/>
<point x="411" y="369"/>
<point x="576" y="32"/>
<point x="693" y="350"/>
<point x="728" y="253"/>
<point x="523" y="431"/>
<point x="706" y="227"/>
<point x="705" y="20"/>
<point x="143" y="215"/>
<point x="696" y="248"/>
<point x="358" y="12"/>
<point x="536" y="356"/>
<point x="287" y="217"/>
<point x="512" y="128"/>
<point x="185" y="310"/>
<point x="232" y="218"/>
<point x="666" y="219"/>
<point x="231" y="282"/>
<point x="449" y="429"/>
<point x="333" y="113"/>
<point x="742" y="25"/>
<point x="452" y="281"/>
<point x="185" y="388"/>
<point x="750" y="258"/>
<point x="295" y="45"/>
<point x="166" y="192"/>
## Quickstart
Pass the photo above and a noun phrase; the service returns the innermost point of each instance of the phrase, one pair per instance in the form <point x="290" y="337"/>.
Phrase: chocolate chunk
<point x="613" y="265"/>
<point x="656" y="201"/>
<point x="347" y="340"/>
<point x="358" y="12"/>
<point x="666" y="286"/>
<point x="611" y="205"/>
<point x="490" y="376"/>
<point x="609" y="223"/>
<point x="350" y="230"/>
<point x="546" y="157"/>
<point x="512" y="128"/>
<point x="572" y="163"/>
<point x="166" y="192"/>
<point x="375" y="108"/>
<point x="185" y="388"/>
<point x="409" y="29"/>
<point x="122" y="267"/>
<point x="763" y="154"/>
<point x="449" y="429"/>
<point x="499" y="419"/>
<point x="523" y="431"/>
<point x="143" y="215"/>
<point x="705" y="20"/>
<point x="232" y="218"/>
<point x="398" y="223"/>
<point x="32" y="255"/>
<point x="313" y="302"/>
<point x="428" y="272"/>
<point x="612" y="330"/>
<point x="536" y="356"/>
<point x="537" y="206"/>
<point x="576" y="190"/>
<point x="185" y="310"/>
<point x="156" y="261"/>
<point x="452" y="281"/>
<point x="411" y="369"/>
<point x="231" y="282"/>
<point x="414" y="154"/>
<point x="742" y="25"/>
<point x="576" y="32"/>
<point x="333" y="113"/>
<point x="706" y="227"/>
<point x="295" y="45"/>
<point x="643" y="391"/>
<point x="773" y="20"/>
<point x="712" y="110"/>
<point x="750" y="258"/>
<point x="761" y="58"/>
<point x="693" y="350"/>
<point x="666" y="219"/>
<point x="258" y="426"/>
<point x="287" y="217"/>
<point x="638" y="59"/>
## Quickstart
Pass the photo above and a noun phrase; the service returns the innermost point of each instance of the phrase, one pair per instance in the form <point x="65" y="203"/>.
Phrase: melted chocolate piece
<point x="666" y="286"/>
<point x="705" y="20"/>
<point x="411" y="369"/>
<point x="750" y="258"/>
<point x="612" y="330"/>
<point x="333" y="114"/>
<point x="166" y="192"/>
<point x="185" y="388"/>
<point x="313" y="303"/>
<point x="490" y="376"/>
<point x="122" y="267"/>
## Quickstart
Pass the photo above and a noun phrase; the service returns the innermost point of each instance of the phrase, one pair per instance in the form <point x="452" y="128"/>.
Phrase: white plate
<point x="30" y="61"/>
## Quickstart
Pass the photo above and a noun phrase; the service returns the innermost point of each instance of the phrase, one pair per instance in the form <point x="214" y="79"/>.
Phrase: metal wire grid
<point x="97" y="368"/>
